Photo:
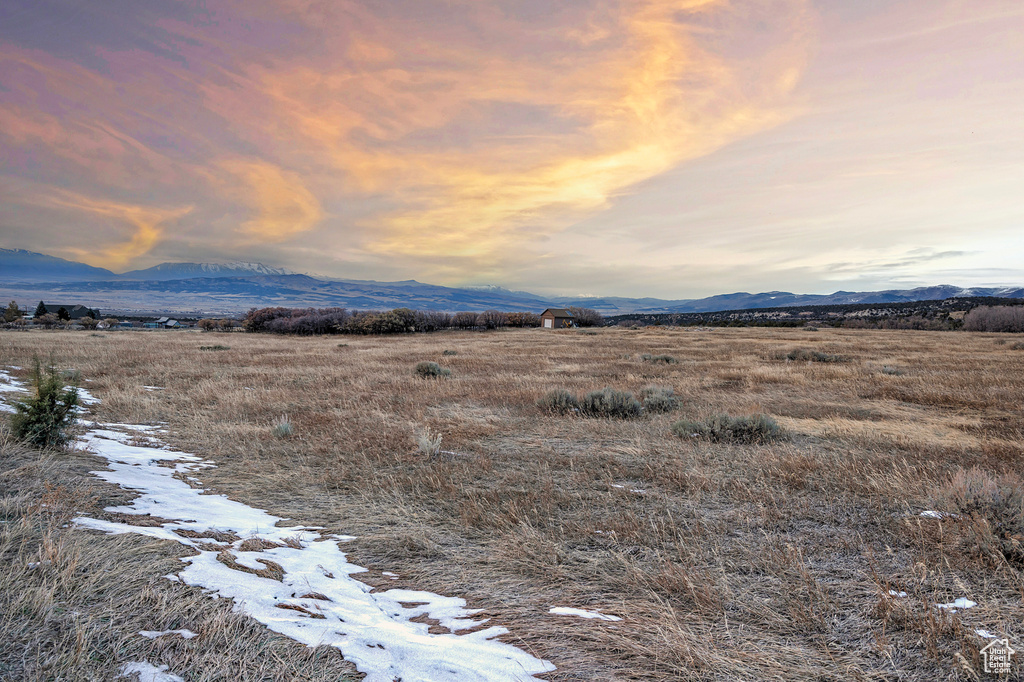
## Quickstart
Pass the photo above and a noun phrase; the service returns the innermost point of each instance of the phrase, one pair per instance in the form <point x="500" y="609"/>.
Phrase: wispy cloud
<point x="283" y="205"/>
<point x="145" y="225"/>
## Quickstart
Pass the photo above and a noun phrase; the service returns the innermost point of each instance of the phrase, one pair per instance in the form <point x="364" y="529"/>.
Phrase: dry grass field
<point x="725" y="561"/>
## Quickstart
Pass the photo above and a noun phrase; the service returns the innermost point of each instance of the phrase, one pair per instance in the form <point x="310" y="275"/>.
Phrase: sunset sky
<point x="671" y="148"/>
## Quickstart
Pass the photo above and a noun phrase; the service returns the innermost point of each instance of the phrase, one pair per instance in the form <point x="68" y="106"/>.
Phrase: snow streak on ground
<point x="147" y="672"/>
<point x="293" y="579"/>
<point x="959" y="603"/>
<point x="153" y="634"/>
<point x="566" y="611"/>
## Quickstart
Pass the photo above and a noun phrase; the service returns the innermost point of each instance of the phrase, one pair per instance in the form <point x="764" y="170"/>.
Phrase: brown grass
<point x="734" y="562"/>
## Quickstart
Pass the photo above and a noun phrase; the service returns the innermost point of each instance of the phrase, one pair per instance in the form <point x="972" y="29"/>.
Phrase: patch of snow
<point x="960" y="603"/>
<point x="153" y="634"/>
<point x="147" y="672"/>
<point x="931" y="514"/>
<point x="566" y="611"/>
<point x="154" y="388"/>
<point x="9" y="384"/>
<point x="389" y="574"/>
<point x="986" y="634"/>
<point x="900" y="595"/>
<point x="374" y="630"/>
<point x="86" y="398"/>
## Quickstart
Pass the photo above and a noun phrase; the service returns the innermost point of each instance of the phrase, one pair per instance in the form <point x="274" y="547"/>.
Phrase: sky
<point x="669" y="148"/>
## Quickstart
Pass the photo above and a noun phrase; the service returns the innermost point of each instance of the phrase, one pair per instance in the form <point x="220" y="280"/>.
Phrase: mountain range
<point x="230" y="288"/>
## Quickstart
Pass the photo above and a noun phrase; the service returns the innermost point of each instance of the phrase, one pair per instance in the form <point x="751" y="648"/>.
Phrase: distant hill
<point x="18" y="265"/>
<point x="778" y="299"/>
<point x="231" y="288"/>
<point x="170" y="271"/>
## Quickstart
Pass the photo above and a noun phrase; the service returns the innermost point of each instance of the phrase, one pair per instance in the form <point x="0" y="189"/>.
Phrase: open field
<point x="724" y="561"/>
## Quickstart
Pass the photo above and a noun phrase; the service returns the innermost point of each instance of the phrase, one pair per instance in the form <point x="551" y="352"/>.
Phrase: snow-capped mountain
<point x="170" y="271"/>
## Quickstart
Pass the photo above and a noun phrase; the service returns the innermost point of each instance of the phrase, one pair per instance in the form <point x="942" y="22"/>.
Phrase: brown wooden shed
<point x="556" y="318"/>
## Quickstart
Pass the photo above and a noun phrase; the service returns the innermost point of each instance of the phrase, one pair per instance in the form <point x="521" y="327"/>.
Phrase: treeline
<point x="310" y="321"/>
<point x="995" y="319"/>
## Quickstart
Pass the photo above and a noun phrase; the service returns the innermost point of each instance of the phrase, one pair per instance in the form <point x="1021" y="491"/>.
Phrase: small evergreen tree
<point x="63" y="315"/>
<point x="40" y="309"/>
<point x="45" y="420"/>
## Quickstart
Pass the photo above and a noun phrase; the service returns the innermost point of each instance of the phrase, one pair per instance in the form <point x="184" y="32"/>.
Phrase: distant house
<point x="173" y="324"/>
<point x="556" y="318"/>
<point x="75" y="312"/>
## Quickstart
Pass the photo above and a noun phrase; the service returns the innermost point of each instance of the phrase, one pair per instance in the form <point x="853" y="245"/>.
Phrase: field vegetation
<point x="777" y="534"/>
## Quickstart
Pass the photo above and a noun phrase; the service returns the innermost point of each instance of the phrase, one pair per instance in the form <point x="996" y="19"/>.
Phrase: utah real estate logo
<point x="998" y="655"/>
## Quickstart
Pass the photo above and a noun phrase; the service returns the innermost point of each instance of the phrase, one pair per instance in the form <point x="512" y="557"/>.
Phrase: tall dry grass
<point x="725" y="561"/>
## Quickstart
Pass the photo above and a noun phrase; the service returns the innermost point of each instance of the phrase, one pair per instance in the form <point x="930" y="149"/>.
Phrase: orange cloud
<point x="656" y="94"/>
<point x="465" y="138"/>
<point x="147" y="223"/>
<point x="283" y="205"/>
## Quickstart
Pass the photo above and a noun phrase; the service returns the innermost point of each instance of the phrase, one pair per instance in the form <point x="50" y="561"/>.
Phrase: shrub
<point x="283" y="427"/>
<point x="721" y="428"/>
<point x="49" y="320"/>
<point x="558" y="401"/>
<point x="685" y="428"/>
<point x="431" y="369"/>
<point x="805" y="355"/>
<point x="659" y="399"/>
<point x="610" y="402"/>
<point x="45" y="420"/>
<point x="88" y="322"/>
<point x="1017" y="346"/>
<point x="449" y="352"/>
<point x="994" y="506"/>
<point x="215" y="347"/>
<point x="658" y="359"/>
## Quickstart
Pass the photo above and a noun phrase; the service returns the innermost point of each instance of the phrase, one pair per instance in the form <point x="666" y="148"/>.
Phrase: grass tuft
<point x="806" y="355"/>
<point x="215" y="347"/>
<point x="429" y="443"/>
<point x="993" y="506"/>
<point x="658" y="359"/>
<point x="282" y="427"/>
